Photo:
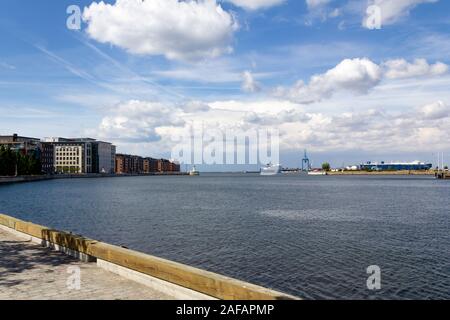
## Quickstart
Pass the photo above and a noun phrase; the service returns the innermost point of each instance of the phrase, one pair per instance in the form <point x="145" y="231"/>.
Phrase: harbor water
<point x="313" y="237"/>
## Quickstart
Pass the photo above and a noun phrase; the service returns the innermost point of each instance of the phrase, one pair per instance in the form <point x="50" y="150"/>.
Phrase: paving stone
<point x="31" y="272"/>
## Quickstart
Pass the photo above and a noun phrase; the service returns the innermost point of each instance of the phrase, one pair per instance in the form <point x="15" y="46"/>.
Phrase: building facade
<point x="47" y="157"/>
<point x="82" y="156"/>
<point x="131" y="164"/>
<point x="62" y="155"/>
<point x="137" y="164"/>
<point x="72" y="156"/>
<point x="122" y="164"/>
<point x="150" y="165"/>
<point x="126" y="164"/>
<point x="175" y="167"/>
<point x="163" y="165"/>
<point x="104" y="155"/>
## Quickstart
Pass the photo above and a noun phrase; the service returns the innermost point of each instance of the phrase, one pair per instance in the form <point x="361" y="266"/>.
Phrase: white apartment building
<point x="73" y="157"/>
<point x="82" y="156"/>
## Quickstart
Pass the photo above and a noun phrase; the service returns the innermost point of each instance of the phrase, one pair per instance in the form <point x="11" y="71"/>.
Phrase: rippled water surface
<point x="309" y="236"/>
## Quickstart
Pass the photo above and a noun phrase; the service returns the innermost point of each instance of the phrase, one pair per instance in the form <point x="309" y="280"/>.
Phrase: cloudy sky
<point x="316" y="70"/>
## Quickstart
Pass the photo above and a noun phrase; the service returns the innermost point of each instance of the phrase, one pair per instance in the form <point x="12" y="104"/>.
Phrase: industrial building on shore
<point x="396" y="166"/>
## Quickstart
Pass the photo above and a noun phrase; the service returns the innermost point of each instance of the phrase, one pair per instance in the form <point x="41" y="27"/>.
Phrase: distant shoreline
<point x="23" y="179"/>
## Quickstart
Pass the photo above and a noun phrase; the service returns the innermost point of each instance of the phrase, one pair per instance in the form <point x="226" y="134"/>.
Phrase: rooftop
<point x="16" y="138"/>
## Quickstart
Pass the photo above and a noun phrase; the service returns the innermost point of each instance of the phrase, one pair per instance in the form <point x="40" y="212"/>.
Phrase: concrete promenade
<point x="31" y="272"/>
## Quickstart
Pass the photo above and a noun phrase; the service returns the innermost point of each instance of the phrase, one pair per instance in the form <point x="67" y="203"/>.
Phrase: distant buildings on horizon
<point x="84" y="156"/>
<point x="391" y="166"/>
<point x="130" y="164"/>
<point x="396" y="166"/>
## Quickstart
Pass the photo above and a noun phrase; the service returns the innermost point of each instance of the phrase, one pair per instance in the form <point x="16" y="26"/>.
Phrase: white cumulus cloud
<point x="400" y="68"/>
<point x="180" y="30"/>
<point x="256" y="4"/>
<point x="153" y="124"/>
<point x="423" y="129"/>
<point x="355" y="75"/>
<point x="435" y="111"/>
<point x="138" y="121"/>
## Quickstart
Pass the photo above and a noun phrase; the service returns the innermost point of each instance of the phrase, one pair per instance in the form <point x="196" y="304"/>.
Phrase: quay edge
<point x="188" y="281"/>
<point x="22" y="179"/>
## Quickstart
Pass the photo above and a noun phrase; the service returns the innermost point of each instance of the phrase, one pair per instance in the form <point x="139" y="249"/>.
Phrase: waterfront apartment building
<point x="150" y="165"/>
<point x="62" y="155"/>
<point x="137" y="164"/>
<point x="122" y="164"/>
<point x="164" y="165"/>
<point x="82" y="155"/>
<point x="131" y="164"/>
<point x="72" y="156"/>
<point x="396" y="166"/>
<point x="175" y="167"/>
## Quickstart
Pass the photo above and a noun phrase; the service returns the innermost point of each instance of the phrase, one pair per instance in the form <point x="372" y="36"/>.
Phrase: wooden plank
<point x="8" y="221"/>
<point x="196" y="279"/>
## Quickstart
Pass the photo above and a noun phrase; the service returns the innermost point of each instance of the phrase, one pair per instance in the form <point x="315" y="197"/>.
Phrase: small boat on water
<point x="271" y="170"/>
<point x="317" y="173"/>
<point x="194" y="172"/>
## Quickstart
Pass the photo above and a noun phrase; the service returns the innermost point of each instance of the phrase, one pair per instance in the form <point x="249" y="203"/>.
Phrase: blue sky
<point x="132" y="74"/>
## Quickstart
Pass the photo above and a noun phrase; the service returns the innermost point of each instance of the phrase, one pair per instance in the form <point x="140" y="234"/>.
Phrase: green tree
<point x="2" y="161"/>
<point x="25" y="164"/>
<point x="326" y="166"/>
<point x="22" y="164"/>
<point x="7" y="162"/>
<point x="30" y="165"/>
<point x="36" y="166"/>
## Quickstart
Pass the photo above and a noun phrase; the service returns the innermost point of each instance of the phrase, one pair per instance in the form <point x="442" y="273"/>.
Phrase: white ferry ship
<point x="271" y="170"/>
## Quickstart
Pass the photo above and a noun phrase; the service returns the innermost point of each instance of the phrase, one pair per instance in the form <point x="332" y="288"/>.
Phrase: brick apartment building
<point x="131" y="164"/>
<point x="150" y="165"/>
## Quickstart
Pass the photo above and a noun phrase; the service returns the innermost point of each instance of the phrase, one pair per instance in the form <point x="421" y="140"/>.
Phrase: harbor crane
<point x="306" y="164"/>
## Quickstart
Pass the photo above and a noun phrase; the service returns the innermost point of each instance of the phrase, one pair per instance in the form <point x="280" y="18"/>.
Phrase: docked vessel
<point x="271" y="170"/>
<point x="317" y="173"/>
<point x="194" y="172"/>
